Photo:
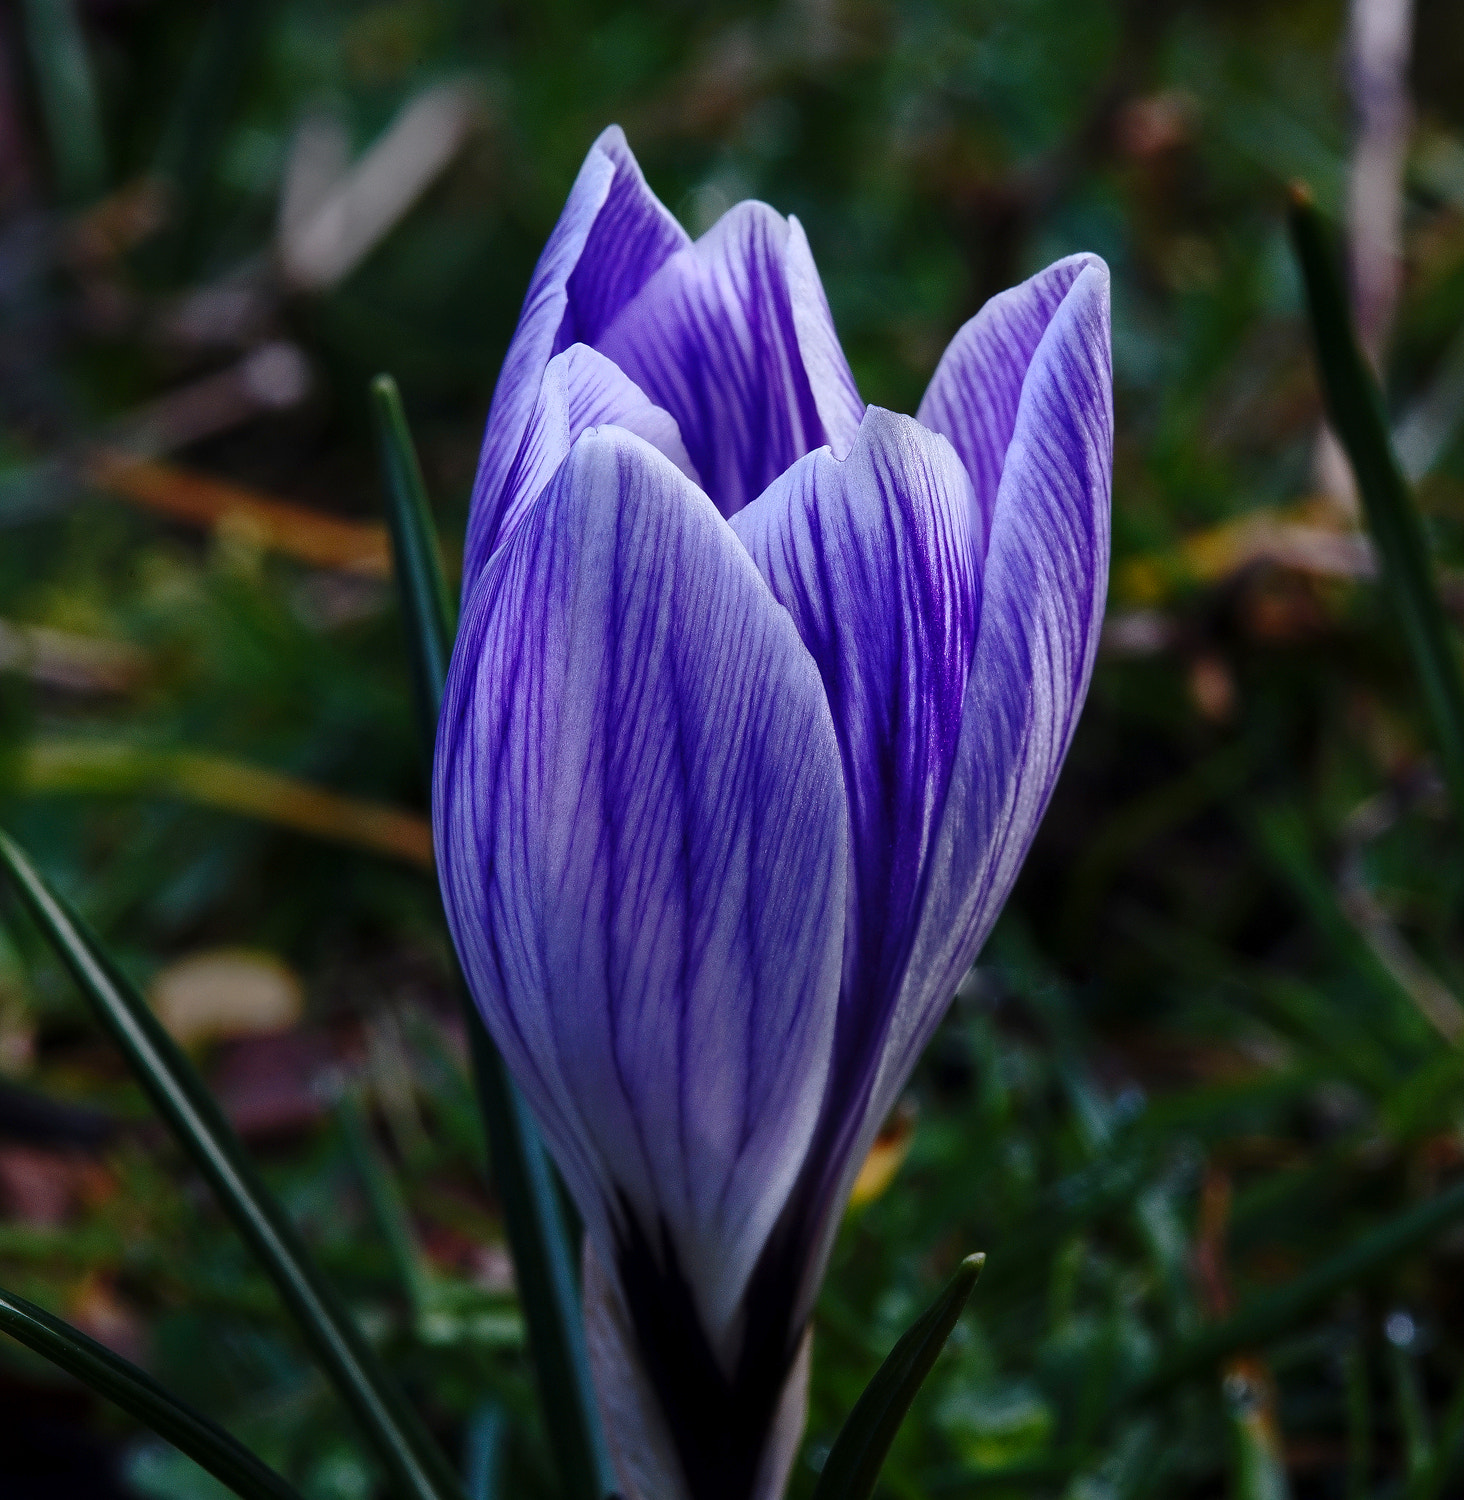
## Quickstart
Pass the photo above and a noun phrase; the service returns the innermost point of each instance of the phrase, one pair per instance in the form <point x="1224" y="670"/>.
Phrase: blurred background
<point x="1215" y="1042"/>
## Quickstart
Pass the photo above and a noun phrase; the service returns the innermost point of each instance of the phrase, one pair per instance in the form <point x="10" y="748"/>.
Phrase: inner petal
<point x="713" y="337"/>
<point x="580" y="389"/>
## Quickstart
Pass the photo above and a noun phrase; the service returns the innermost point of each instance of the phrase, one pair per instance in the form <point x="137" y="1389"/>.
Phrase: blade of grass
<point x="140" y="1396"/>
<point x="852" y="1467"/>
<point x="1431" y="1481"/>
<point x="428" y="615"/>
<point x="486" y="1434"/>
<point x="205" y="103"/>
<point x="385" y="1200"/>
<point x="117" y="768"/>
<point x="68" y="97"/>
<point x="1257" y="1457"/>
<point x="1355" y="408"/>
<point x="405" y="1449"/>
<point x="1275" y="1314"/>
<point x="1359" y="1422"/>
<point x="543" y="1260"/>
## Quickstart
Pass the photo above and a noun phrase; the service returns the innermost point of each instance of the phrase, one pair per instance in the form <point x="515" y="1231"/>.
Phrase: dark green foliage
<point x="1210" y="1053"/>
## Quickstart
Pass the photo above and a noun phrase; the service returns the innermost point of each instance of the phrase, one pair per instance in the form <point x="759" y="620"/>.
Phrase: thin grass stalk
<point x="416" y="1466"/>
<point x="1355" y="407"/>
<point x="140" y="1396"/>
<point x="1275" y="1314"/>
<point x="544" y="1263"/>
<point x="851" y="1470"/>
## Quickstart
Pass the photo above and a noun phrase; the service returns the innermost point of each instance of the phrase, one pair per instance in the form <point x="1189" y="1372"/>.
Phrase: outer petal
<point x="612" y="236"/>
<point x="976" y="389"/>
<point x="641" y="1444"/>
<point x="642" y="839"/>
<point x="876" y="559"/>
<point x="580" y="389"/>
<point x="733" y="337"/>
<point x="1044" y="587"/>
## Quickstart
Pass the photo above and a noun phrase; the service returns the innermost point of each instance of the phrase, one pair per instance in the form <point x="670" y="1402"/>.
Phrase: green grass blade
<point x="416" y="1466"/>
<point x="66" y="89"/>
<point x="544" y="1263"/>
<point x="1275" y="1314"/>
<point x="427" y="610"/>
<point x="1355" y="407"/>
<point x="852" y="1468"/>
<point x="393" y="1222"/>
<point x="1257" y="1456"/>
<point x="487" y="1433"/>
<point x="140" y="1396"/>
<point x="1432" y="1481"/>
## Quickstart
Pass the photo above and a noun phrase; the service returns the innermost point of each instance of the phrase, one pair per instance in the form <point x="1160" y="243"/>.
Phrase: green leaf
<point x="67" y="93"/>
<point x="1275" y="1314"/>
<point x="426" y="604"/>
<point x="393" y="1222"/>
<point x="406" y="1450"/>
<point x="859" y="1451"/>
<point x="544" y="1263"/>
<point x="138" y="1394"/>
<point x="1355" y="407"/>
<point x="487" y="1432"/>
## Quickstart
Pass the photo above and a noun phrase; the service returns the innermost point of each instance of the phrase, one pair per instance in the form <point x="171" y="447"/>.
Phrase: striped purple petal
<point x="642" y="1445"/>
<point x="733" y="337"/>
<point x="612" y="236"/>
<point x="876" y="558"/>
<point x="1043" y="591"/>
<point x="974" y="394"/>
<point x="641" y="836"/>
<point x="580" y="389"/>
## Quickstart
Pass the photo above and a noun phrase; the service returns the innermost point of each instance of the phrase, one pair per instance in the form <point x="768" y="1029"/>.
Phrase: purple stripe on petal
<point x="727" y="336"/>
<point x="633" y="236"/>
<point x="1044" y="589"/>
<point x="580" y="389"/>
<point x="641" y="835"/>
<point x="610" y="239"/>
<point x="973" y="396"/>
<point x="875" y="559"/>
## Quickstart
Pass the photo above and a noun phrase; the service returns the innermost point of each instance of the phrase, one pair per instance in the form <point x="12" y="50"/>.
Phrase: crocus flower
<point x="758" y="699"/>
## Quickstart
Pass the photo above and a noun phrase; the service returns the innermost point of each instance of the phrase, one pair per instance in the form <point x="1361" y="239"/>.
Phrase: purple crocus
<point x="758" y="699"/>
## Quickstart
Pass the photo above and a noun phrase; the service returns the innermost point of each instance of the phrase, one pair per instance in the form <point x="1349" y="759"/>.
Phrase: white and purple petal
<point x="612" y="236"/>
<point x="642" y="840"/>
<point x="1043" y="592"/>
<point x="876" y="559"/>
<point x="975" y="392"/>
<point x="732" y="335"/>
<point x="580" y="389"/>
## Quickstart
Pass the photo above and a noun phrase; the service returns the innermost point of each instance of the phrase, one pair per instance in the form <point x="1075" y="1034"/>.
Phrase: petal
<point x="974" y="394"/>
<point x="580" y="389"/>
<point x="632" y="237"/>
<point x="733" y="337"/>
<point x="875" y="559"/>
<point x="642" y="1447"/>
<point x="610" y="239"/>
<point x="1043" y="592"/>
<point x="641" y="839"/>
<point x="636" y="1433"/>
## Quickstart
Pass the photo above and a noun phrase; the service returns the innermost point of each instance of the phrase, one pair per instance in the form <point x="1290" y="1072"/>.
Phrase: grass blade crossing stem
<point x="1355" y="407"/>
<point x="542" y="1256"/>
<point x="138" y="1394"/>
<point x="408" y="1453"/>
